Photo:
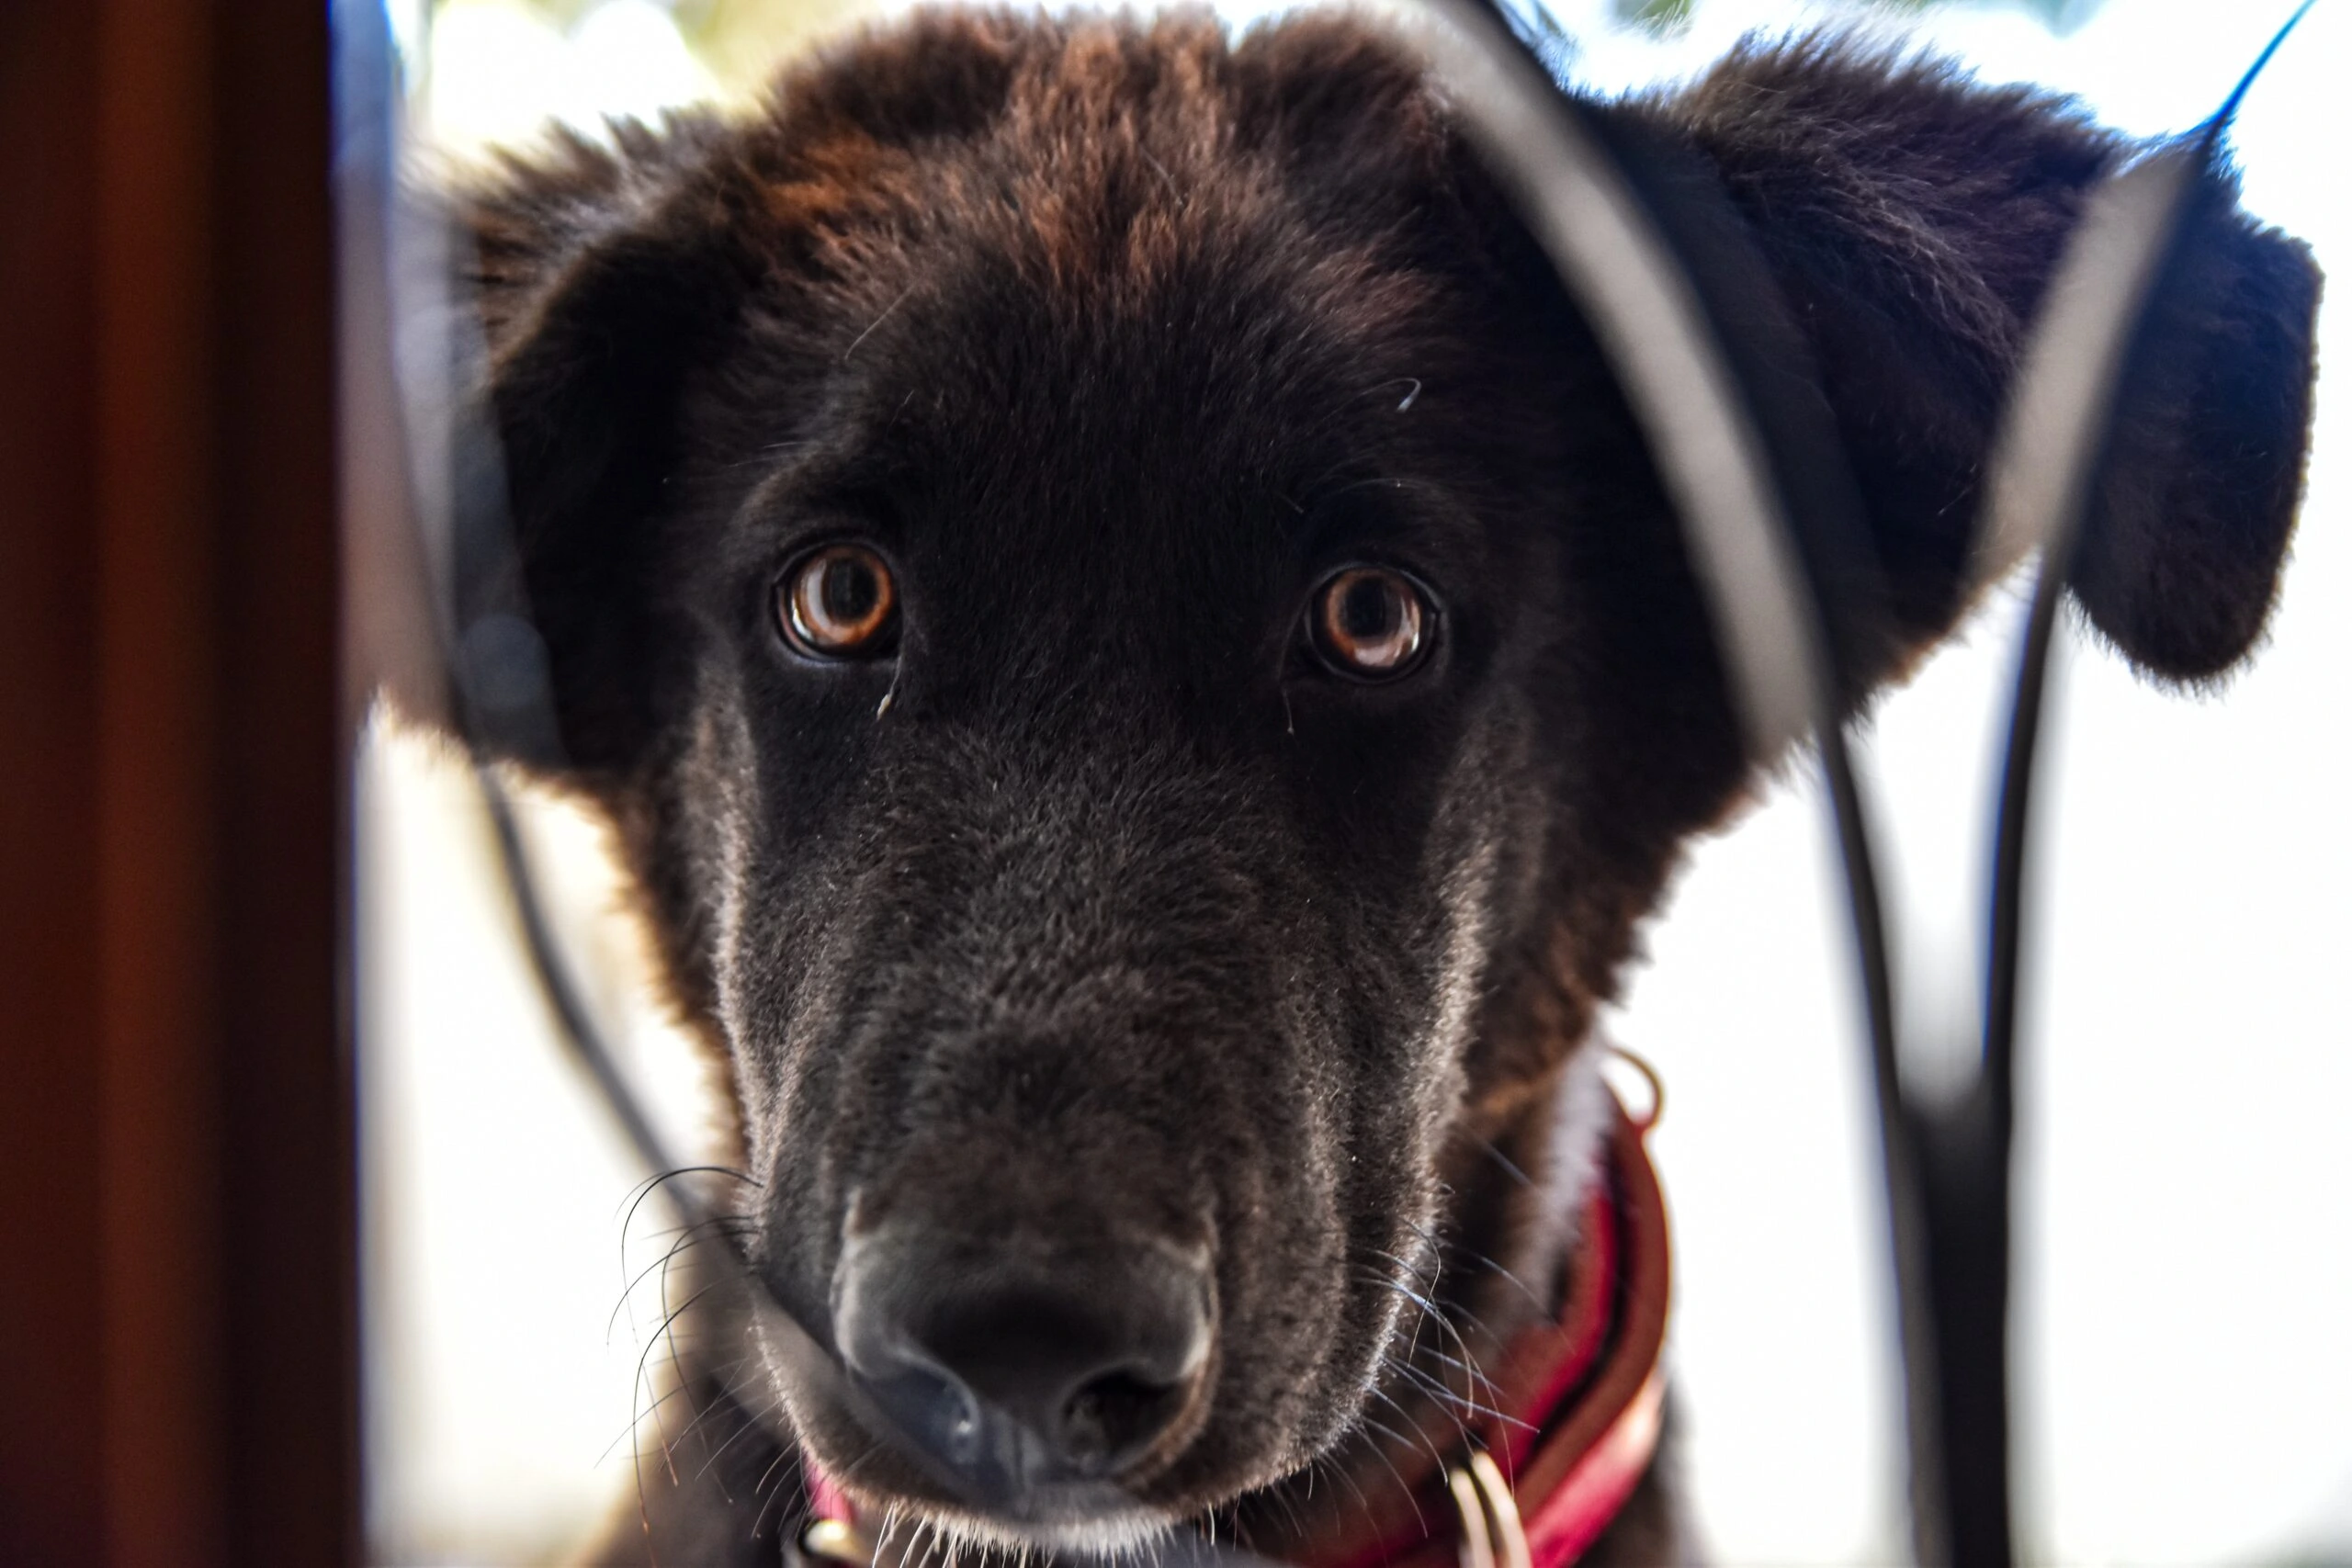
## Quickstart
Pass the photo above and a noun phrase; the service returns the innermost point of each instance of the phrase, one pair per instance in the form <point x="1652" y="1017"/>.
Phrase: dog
<point x="1147" y="682"/>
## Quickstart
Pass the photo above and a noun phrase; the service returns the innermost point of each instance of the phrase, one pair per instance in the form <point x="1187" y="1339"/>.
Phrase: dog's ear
<point x="606" y="279"/>
<point x="597" y="276"/>
<point x="1913" y="220"/>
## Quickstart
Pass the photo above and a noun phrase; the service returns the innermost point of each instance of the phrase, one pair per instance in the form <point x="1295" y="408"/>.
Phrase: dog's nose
<point x="1016" y="1369"/>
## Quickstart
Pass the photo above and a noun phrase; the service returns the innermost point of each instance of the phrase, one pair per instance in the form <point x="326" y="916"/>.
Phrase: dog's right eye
<point x="839" y="602"/>
<point x="1370" y="623"/>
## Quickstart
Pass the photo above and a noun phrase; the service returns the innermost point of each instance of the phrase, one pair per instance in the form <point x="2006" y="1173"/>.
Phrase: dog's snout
<point x="1020" y="1368"/>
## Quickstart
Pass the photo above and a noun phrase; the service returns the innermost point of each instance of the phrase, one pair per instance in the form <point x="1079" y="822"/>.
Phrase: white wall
<point x="2186" y="1395"/>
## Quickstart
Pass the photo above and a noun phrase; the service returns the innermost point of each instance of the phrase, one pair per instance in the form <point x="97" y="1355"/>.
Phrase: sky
<point x="2184" y="1393"/>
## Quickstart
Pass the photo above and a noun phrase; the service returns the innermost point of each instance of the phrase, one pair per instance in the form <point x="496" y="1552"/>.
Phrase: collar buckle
<point x="1493" y="1534"/>
<point x="837" y="1541"/>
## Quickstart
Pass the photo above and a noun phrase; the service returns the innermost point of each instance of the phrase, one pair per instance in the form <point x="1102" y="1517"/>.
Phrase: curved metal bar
<point x="1946" y="1169"/>
<point x="1641" y="299"/>
<point x="2055" y="436"/>
<point x="2057" y="418"/>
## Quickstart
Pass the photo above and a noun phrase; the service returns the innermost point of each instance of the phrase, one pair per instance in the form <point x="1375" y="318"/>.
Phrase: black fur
<point x="1101" y="911"/>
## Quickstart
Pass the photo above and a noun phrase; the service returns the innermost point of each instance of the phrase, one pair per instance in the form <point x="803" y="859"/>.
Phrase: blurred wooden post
<point x="178" y="1322"/>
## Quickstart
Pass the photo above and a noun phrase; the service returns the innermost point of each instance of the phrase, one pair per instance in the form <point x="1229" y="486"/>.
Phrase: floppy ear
<point x="607" y="279"/>
<point x="598" y="277"/>
<point x="1912" y="221"/>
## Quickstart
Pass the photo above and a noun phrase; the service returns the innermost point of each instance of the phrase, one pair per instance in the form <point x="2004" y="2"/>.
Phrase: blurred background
<point x="2185" y="1390"/>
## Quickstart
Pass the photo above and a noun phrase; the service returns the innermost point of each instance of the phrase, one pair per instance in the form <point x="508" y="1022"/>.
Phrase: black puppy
<point x="1145" y="677"/>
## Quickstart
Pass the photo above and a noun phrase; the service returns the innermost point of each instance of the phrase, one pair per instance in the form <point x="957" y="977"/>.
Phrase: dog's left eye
<point x="1370" y="623"/>
<point x="839" y="602"/>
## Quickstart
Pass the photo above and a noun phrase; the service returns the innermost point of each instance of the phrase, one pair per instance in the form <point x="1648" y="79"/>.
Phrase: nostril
<point x="939" y="1412"/>
<point x="1115" y="1417"/>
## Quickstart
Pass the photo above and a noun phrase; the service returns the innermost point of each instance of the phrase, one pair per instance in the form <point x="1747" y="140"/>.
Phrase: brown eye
<point x="839" y="603"/>
<point x="1369" y="622"/>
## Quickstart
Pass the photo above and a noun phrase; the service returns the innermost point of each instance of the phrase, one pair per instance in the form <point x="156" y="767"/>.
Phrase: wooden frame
<point x="178" y="1333"/>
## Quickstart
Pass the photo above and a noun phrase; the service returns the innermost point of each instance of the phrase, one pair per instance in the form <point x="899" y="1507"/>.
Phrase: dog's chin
<point x="1089" y="1518"/>
<point x="1087" y="1531"/>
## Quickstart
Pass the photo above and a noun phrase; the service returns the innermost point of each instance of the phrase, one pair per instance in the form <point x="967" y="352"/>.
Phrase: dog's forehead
<point x="1125" y="379"/>
<point x="1220" y="394"/>
<point x="1128" y="261"/>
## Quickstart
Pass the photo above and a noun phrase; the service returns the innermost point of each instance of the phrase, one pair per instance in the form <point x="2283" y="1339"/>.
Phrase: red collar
<point x="1535" y="1491"/>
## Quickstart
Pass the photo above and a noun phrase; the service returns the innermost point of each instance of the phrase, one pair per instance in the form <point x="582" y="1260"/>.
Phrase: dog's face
<point x="1147" y="679"/>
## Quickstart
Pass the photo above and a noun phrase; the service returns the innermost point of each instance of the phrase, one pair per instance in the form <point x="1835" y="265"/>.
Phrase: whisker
<point x="1469" y="1362"/>
<point x="748" y="1423"/>
<point x="1406" y="1416"/>
<point x="1333" y="1464"/>
<point x="1381" y="1454"/>
<point x="637" y="1418"/>
<point x="1472" y="1254"/>
<point x="687" y="1238"/>
<point x="1445" y="1408"/>
<point x="1510" y="1166"/>
<point x="784" y="1452"/>
<point x="647" y="1187"/>
<point x="660" y="1429"/>
<point x="1437" y="1390"/>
